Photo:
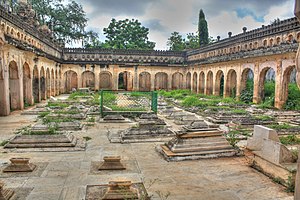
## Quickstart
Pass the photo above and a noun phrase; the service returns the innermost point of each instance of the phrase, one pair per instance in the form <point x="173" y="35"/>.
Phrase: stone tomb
<point x="61" y="126"/>
<point x="191" y="145"/>
<point x="270" y="156"/>
<point x="112" y="163"/>
<point x="187" y="120"/>
<point x="5" y="194"/>
<point x="19" y="165"/>
<point x="151" y="117"/>
<point x="146" y="131"/>
<point x="117" y="190"/>
<point x="178" y="115"/>
<point x="60" y="142"/>
<point x="168" y="110"/>
<point x="36" y="111"/>
<point x="114" y="119"/>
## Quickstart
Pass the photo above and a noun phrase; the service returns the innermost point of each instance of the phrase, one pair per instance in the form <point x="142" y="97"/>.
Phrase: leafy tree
<point x="176" y="42"/>
<point x="127" y="34"/>
<point x="68" y="21"/>
<point x="202" y="29"/>
<point x="192" y="41"/>
<point x="92" y="40"/>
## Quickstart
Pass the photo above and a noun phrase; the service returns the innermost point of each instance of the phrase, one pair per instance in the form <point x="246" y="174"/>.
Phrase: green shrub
<point x="293" y="100"/>
<point x="191" y="101"/>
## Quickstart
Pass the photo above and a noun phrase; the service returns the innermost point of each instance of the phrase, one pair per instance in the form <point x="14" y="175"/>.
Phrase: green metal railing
<point x="125" y="101"/>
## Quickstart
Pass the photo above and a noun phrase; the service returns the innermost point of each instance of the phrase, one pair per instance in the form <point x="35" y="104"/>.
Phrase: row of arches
<point x="22" y="87"/>
<point x="227" y="85"/>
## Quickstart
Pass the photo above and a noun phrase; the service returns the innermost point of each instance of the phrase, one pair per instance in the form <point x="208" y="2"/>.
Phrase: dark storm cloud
<point x="118" y="7"/>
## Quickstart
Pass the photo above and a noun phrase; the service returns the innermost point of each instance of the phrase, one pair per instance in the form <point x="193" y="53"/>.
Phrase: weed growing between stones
<point x="290" y="140"/>
<point x="4" y="142"/>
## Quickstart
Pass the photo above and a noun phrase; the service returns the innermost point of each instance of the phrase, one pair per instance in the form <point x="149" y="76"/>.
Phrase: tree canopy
<point x="127" y="34"/>
<point x="68" y="21"/>
<point x="202" y="29"/>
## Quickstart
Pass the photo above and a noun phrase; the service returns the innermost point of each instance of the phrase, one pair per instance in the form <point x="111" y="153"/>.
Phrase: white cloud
<point x="167" y="16"/>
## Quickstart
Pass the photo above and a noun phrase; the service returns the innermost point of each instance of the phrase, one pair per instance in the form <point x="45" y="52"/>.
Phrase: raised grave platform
<point x="192" y="145"/>
<point x="61" y="142"/>
<point x="117" y="190"/>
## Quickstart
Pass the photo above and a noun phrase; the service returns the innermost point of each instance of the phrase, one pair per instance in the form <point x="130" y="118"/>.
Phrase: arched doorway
<point x="188" y="81"/>
<point x="88" y="80"/>
<point x="247" y="85"/>
<point x="209" y="83"/>
<point x="105" y="81"/>
<point x="201" y="83"/>
<point x="231" y="84"/>
<point x="219" y="84"/>
<point x="48" y="83"/>
<point x="195" y="82"/>
<point x="27" y="86"/>
<point x="177" y="81"/>
<point x="71" y="81"/>
<point x="125" y="81"/>
<point x="14" y="87"/>
<point x="145" y="81"/>
<point x="43" y="84"/>
<point x="290" y="96"/>
<point x="266" y="90"/>
<point x="161" y="81"/>
<point x="35" y="84"/>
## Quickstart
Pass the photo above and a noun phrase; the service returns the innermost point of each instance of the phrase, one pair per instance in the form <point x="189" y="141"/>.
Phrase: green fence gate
<point x="127" y="102"/>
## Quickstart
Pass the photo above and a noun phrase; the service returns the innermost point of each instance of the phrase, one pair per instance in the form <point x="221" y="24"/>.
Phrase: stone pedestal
<point x="112" y="163"/>
<point x="120" y="190"/>
<point x="19" y="165"/>
<point x="5" y="194"/>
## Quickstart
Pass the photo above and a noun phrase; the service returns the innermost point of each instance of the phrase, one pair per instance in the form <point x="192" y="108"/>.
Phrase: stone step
<point x="202" y="134"/>
<point x="202" y="149"/>
<point x="169" y="153"/>
<point x="42" y="145"/>
<point x="204" y="144"/>
<point x="33" y="139"/>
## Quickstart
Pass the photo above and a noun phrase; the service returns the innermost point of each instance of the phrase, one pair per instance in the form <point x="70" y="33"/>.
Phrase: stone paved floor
<point x="67" y="173"/>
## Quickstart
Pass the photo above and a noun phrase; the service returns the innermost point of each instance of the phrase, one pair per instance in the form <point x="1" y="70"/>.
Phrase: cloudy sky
<point x="163" y="17"/>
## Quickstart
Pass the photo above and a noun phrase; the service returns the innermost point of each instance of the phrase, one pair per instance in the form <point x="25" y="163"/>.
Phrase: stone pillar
<point x="97" y="77"/>
<point x="214" y="91"/>
<point x="135" y="79"/>
<point x="169" y="82"/>
<point x="297" y="184"/>
<point x="256" y="82"/>
<point x="4" y="87"/>
<point x="152" y="81"/>
<point x="278" y="86"/>
<point x="184" y="80"/>
<point x="225" y="91"/>
<point x="115" y="77"/>
<point x="238" y="83"/>
<point x="21" y="85"/>
<point x="205" y="83"/>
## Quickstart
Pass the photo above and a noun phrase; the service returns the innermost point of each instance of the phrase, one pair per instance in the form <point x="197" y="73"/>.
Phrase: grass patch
<point x="44" y="114"/>
<point x="87" y="138"/>
<point x="263" y="118"/>
<point x="118" y="108"/>
<point x="289" y="140"/>
<point x="281" y="126"/>
<point x="57" y="104"/>
<point x="4" y="142"/>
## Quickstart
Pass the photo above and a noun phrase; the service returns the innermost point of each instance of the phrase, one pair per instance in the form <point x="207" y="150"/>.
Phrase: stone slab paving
<point x="67" y="174"/>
